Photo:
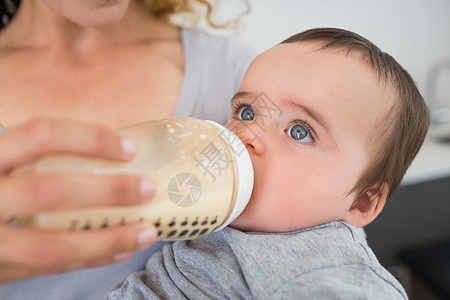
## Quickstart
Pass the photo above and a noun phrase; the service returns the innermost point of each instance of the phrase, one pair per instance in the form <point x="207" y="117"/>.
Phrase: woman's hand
<point x="28" y="252"/>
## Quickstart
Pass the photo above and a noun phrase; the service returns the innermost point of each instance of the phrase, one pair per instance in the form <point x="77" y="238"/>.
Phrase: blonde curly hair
<point x="188" y="13"/>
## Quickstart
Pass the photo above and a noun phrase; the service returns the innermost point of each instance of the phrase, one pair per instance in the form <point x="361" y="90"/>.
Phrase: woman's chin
<point x="104" y="21"/>
<point x="103" y="17"/>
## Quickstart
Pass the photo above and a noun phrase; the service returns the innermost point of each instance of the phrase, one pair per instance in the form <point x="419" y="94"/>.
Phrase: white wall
<point x="415" y="32"/>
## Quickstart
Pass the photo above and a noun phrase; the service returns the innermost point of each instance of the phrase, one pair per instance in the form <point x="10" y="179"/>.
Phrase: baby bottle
<point x="202" y="172"/>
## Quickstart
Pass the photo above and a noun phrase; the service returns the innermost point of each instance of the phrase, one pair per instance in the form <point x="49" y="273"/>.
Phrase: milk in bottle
<point x="202" y="172"/>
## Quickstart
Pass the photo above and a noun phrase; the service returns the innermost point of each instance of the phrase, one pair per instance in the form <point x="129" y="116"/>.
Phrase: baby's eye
<point x="300" y="133"/>
<point x="246" y="113"/>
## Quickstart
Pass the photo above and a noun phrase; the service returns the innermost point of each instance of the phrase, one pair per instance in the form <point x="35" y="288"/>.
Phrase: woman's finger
<point x="29" y="194"/>
<point x="41" y="137"/>
<point x="34" y="252"/>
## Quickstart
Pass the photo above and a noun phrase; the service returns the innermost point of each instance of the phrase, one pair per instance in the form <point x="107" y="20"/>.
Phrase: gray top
<point x="213" y="72"/>
<point x="331" y="261"/>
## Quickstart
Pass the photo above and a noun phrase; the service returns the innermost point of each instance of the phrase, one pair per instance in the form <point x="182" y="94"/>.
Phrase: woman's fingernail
<point x="147" y="189"/>
<point x="129" y="146"/>
<point x="146" y="237"/>
<point x="122" y="256"/>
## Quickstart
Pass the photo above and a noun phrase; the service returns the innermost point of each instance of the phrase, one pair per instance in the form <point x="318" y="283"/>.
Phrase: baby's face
<point x="306" y="117"/>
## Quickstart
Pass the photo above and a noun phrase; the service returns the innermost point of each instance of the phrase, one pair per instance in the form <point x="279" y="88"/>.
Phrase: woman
<point x="112" y="63"/>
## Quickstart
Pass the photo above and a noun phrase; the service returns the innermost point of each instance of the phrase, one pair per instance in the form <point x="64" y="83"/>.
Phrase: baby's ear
<point x="367" y="207"/>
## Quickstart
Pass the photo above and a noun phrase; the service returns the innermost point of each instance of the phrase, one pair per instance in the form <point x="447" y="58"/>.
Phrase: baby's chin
<point x="247" y="222"/>
<point x="243" y="223"/>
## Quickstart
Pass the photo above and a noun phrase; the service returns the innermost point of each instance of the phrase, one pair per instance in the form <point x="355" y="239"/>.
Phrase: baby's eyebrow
<point x="243" y="94"/>
<point x="314" y="114"/>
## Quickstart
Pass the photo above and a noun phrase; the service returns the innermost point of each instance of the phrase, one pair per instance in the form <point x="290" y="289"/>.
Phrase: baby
<point x="331" y="124"/>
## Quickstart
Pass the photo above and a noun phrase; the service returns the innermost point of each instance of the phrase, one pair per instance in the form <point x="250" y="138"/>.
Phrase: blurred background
<point x="411" y="237"/>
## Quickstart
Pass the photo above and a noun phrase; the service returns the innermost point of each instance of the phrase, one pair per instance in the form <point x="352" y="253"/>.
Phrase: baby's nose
<point x="256" y="145"/>
<point x="252" y="137"/>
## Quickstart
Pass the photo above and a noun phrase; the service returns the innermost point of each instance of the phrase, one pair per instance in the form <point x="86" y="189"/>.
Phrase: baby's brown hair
<point x="402" y="130"/>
